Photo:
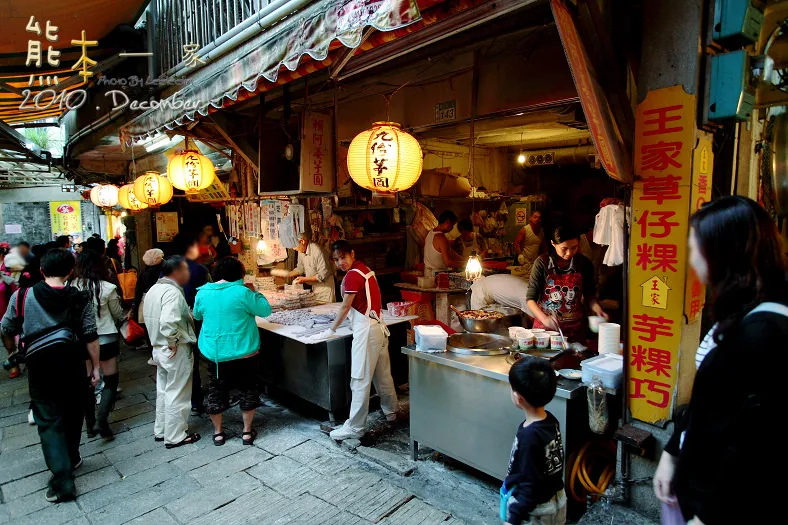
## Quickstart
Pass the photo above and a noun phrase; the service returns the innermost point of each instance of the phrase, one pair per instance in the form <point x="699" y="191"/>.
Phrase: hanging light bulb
<point x="521" y="156"/>
<point x="261" y="246"/>
<point x="473" y="270"/>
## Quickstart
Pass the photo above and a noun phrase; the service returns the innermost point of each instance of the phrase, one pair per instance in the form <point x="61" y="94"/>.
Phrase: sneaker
<point x="54" y="497"/>
<point x="151" y="362"/>
<point x="345" y="432"/>
<point x="30" y="419"/>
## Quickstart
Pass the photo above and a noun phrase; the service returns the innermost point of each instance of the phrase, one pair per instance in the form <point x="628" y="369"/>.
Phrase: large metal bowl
<point x="477" y="326"/>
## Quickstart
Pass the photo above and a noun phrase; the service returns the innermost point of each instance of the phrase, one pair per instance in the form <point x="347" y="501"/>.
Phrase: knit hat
<point x="14" y="262"/>
<point x="153" y="257"/>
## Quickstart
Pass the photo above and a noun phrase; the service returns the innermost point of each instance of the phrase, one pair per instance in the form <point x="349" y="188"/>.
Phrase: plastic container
<point x="526" y="340"/>
<point x="558" y="342"/>
<point x="400" y="308"/>
<point x="607" y="368"/>
<point x="542" y="341"/>
<point x="430" y="338"/>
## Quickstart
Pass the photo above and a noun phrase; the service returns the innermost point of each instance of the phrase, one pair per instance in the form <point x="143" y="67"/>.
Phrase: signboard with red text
<point x="317" y="153"/>
<point x="702" y="167"/>
<point x="664" y="143"/>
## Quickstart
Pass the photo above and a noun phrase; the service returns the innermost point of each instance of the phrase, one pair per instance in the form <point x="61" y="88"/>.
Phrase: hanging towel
<point x="609" y="231"/>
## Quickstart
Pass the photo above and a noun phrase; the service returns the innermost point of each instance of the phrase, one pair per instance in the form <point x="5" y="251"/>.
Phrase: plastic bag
<point x="131" y="332"/>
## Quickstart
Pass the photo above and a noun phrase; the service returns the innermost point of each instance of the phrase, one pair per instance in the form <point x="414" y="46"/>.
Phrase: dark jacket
<point x="732" y="450"/>
<point x="145" y="280"/>
<point x="199" y="276"/>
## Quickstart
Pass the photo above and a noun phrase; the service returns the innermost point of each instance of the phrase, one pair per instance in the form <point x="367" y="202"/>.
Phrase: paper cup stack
<point x="609" y="338"/>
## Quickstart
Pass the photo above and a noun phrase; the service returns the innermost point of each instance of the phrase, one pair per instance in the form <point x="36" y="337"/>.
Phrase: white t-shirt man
<point x="504" y="289"/>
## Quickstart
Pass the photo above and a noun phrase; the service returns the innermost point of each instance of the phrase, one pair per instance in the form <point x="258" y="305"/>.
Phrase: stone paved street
<point x="293" y="474"/>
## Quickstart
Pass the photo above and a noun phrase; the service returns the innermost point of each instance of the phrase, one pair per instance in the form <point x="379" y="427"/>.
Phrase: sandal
<point x="252" y="433"/>
<point x="191" y="438"/>
<point x="222" y="438"/>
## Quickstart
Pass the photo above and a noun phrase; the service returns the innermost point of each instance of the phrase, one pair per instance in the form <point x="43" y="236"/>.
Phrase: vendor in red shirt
<point x="369" y="354"/>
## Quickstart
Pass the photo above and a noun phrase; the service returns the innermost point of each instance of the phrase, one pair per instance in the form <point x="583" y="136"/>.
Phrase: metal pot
<point x="478" y="326"/>
<point x="511" y="316"/>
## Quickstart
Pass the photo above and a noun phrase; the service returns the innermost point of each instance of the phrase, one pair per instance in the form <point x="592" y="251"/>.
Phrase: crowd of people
<point x="65" y="310"/>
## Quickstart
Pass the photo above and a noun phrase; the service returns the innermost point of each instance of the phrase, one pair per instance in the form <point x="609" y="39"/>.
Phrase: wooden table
<point x="442" y="312"/>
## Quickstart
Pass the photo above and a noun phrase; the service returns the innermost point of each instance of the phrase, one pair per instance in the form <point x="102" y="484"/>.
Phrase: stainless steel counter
<point x="494" y="367"/>
<point x="461" y="406"/>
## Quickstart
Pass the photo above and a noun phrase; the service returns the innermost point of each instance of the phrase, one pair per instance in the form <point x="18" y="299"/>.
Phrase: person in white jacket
<point x="91" y="275"/>
<point x="171" y="329"/>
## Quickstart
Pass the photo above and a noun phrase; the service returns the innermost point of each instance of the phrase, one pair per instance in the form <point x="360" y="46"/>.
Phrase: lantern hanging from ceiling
<point x="190" y="171"/>
<point x="104" y="195"/>
<point x="128" y="200"/>
<point x="384" y="158"/>
<point x="153" y="189"/>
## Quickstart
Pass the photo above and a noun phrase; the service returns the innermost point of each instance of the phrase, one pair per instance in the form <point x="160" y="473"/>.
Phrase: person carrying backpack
<point x="56" y="323"/>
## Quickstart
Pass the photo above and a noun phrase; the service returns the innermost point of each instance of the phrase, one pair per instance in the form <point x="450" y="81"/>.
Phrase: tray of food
<point x="479" y="321"/>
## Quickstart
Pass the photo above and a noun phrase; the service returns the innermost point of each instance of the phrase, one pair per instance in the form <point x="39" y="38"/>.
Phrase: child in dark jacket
<point x="533" y="491"/>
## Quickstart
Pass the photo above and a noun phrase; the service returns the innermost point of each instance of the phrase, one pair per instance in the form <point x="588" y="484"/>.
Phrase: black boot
<point x="106" y="404"/>
<point x="90" y="410"/>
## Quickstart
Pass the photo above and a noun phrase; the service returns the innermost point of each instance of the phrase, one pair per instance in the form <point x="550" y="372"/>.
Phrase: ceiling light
<point x="158" y="143"/>
<point x="521" y="158"/>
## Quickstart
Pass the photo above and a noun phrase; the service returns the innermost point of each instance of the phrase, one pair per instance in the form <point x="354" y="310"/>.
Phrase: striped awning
<point x="308" y="36"/>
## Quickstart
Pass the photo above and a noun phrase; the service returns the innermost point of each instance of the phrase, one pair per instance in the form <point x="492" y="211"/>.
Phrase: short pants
<point x="240" y="374"/>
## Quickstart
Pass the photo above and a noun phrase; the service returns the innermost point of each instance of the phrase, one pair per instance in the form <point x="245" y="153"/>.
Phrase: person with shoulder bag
<point x="717" y="468"/>
<point x="56" y="323"/>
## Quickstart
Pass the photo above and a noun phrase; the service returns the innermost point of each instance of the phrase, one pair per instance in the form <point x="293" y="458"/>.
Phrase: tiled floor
<point x="293" y="474"/>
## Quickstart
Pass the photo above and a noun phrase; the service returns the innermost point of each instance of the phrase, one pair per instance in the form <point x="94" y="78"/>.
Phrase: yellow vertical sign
<point x="664" y="141"/>
<point x="66" y="218"/>
<point x="702" y="169"/>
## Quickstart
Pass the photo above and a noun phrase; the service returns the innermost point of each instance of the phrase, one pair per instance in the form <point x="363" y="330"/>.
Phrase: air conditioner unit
<point x="561" y="156"/>
<point x="540" y="158"/>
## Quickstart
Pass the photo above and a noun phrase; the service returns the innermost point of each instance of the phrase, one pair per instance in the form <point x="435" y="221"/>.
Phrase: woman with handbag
<point x="719" y="466"/>
<point x="91" y="275"/>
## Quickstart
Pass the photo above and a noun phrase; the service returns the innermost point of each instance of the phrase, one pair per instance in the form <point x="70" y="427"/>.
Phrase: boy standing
<point x="533" y="491"/>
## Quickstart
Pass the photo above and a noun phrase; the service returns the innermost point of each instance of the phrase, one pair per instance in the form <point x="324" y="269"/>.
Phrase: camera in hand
<point x="14" y="360"/>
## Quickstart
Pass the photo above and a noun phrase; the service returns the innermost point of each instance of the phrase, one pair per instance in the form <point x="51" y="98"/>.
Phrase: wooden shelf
<point x="379" y="237"/>
<point x="359" y="209"/>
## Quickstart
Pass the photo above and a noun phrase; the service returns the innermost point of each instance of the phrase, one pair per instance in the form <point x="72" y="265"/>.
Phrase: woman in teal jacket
<point x="229" y="340"/>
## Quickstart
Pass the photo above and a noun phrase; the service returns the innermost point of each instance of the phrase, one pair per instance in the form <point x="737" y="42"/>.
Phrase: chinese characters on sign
<point x="664" y="140"/>
<point x="66" y="219"/>
<point x="190" y="58"/>
<point x="703" y="162"/>
<point x="35" y="52"/>
<point x="166" y="225"/>
<point x="317" y="153"/>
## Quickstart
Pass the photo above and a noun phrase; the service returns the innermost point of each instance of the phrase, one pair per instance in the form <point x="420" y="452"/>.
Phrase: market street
<point x="293" y="474"/>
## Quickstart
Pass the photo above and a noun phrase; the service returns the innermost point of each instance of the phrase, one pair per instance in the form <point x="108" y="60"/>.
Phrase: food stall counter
<point x="319" y="371"/>
<point x="460" y="406"/>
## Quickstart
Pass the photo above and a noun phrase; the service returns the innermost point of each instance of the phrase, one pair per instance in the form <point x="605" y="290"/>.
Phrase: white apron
<point x="361" y="324"/>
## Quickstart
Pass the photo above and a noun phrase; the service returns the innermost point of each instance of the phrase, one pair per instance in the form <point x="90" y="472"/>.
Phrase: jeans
<point x="56" y="380"/>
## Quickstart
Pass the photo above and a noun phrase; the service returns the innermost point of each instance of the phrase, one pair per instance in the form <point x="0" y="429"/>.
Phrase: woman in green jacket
<point x="230" y="341"/>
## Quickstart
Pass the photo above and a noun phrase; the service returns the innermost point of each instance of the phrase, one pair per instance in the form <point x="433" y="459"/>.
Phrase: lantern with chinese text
<point x="153" y="189"/>
<point x="190" y="171"/>
<point x="384" y="158"/>
<point x="128" y="200"/>
<point x="104" y="195"/>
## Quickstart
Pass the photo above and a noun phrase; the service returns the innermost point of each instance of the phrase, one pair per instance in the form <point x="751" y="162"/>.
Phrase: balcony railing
<point x="177" y="23"/>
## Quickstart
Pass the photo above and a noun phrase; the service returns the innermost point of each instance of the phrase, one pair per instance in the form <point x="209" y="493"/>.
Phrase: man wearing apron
<point x="369" y="354"/>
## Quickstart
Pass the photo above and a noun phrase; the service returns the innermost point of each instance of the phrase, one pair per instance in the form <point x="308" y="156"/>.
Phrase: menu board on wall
<point x="66" y="219"/>
<point x="166" y="226"/>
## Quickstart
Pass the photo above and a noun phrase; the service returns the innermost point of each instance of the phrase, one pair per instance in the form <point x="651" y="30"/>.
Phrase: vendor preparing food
<point x="503" y="289"/>
<point x="369" y="352"/>
<point x="315" y="269"/>
<point x="562" y="287"/>
<point x="529" y="243"/>
<point x="469" y="241"/>
<point x="438" y="254"/>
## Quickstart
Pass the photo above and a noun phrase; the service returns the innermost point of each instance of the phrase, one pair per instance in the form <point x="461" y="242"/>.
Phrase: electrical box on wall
<point x="737" y="23"/>
<point x="730" y="95"/>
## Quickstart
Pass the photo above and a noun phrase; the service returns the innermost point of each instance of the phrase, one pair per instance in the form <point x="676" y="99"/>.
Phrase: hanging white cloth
<point x="609" y="231"/>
